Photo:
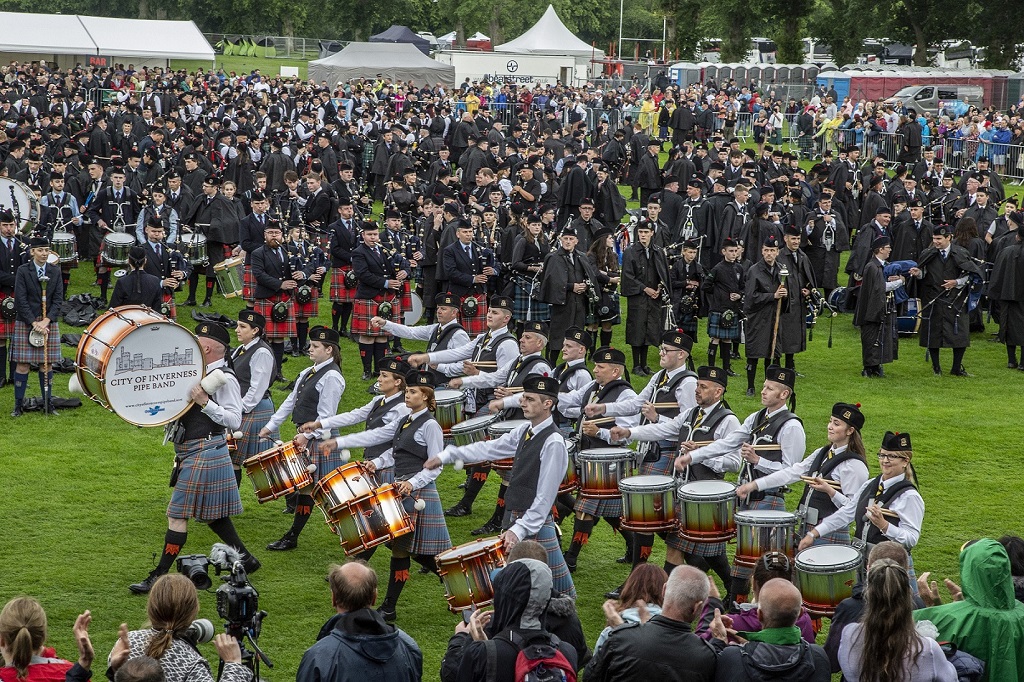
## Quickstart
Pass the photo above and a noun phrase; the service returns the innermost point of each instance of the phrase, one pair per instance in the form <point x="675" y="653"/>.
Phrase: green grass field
<point x="86" y="494"/>
<point x="243" y="65"/>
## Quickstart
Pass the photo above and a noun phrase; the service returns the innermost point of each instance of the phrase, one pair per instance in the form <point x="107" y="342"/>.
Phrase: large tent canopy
<point x="549" y="36"/>
<point x="70" y="34"/>
<point x="400" y="61"/>
<point x="402" y="34"/>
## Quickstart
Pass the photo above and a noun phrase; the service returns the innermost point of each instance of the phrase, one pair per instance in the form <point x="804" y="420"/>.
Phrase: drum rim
<point x="481" y="419"/>
<point x="127" y="238"/>
<point x="777" y="515"/>
<point x="852" y="563"/>
<point x="516" y="423"/>
<point x="625" y="483"/>
<point x="441" y="395"/>
<point x="728" y="490"/>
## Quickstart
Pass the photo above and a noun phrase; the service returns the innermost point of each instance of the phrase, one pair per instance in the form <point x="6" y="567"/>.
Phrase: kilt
<point x="250" y="443"/>
<point x="430" y="536"/>
<point x="339" y="292"/>
<point x="836" y="537"/>
<point x="675" y="541"/>
<point x="717" y="331"/>
<point x="477" y="324"/>
<point x="606" y="508"/>
<point x="206" y="489"/>
<point x="364" y="309"/>
<point x="23" y="352"/>
<point x="248" y="284"/>
<point x="663" y="466"/>
<point x="527" y="308"/>
<point x="547" y="536"/>
<point x="385" y="475"/>
<point x="6" y="326"/>
<point x="769" y="503"/>
<point x="172" y="308"/>
<point x="324" y="465"/>
<point x="307" y="311"/>
<point x="406" y="297"/>
<point x="277" y="331"/>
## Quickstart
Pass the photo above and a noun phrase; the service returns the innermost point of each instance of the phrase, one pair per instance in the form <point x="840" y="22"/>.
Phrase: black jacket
<point x="373" y="270"/>
<point x="662" y="649"/>
<point x="554" y="286"/>
<point x="28" y="293"/>
<point x="269" y="272"/>
<point x="138" y="287"/>
<point x="458" y="270"/>
<point x="761" y="662"/>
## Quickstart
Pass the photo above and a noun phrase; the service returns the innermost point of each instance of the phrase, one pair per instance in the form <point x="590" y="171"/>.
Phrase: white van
<point x="927" y="97"/>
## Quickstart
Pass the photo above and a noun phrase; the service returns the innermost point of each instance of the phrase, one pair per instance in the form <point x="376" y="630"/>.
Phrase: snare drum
<point x="370" y="520"/>
<point x="497" y="431"/>
<point x="473" y="430"/>
<point x="571" y="480"/>
<point x="601" y="469"/>
<point x="450" y="408"/>
<point x="229" y="276"/>
<point x="344" y="484"/>
<point x="116" y="246"/>
<point x="466" y="573"/>
<point x="763" y="530"/>
<point x="193" y="246"/>
<point x="910" y="322"/>
<point x="825" y="575"/>
<point x="63" y="244"/>
<point x="707" y="511"/>
<point x="277" y="472"/>
<point x="648" y="504"/>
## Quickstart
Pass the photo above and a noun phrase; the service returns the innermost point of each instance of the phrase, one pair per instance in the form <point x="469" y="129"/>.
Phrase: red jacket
<point x="44" y="668"/>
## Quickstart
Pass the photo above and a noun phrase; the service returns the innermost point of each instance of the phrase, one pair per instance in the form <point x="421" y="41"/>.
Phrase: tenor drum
<point x="601" y="469"/>
<point x="344" y="484"/>
<point x="139" y="365"/>
<point x="825" y="575"/>
<point x="762" y="530"/>
<point x="370" y="520"/>
<point x="571" y="480"/>
<point x="497" y="431"/>
<point x="63" y="244"/>
<point x="229" y="276"/>
<point x="707" y="511"/>
<point x="279" y="471"/>
<point x="415" y="312"/>
<point x="20" y="200"/>
<point x="648" y="504"/>
<point x="473" y="430"/>
<point x="909" y="322"/>
<point x="193" y="247"/>
<point x="466" y="573"/>
<point x="116" y="246"/>
<point x="450" y="408"/>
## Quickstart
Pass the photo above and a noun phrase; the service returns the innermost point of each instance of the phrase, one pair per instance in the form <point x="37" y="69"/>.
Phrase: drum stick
<point x="664" y="406"/>
<point x="483" y="363"/>
<point x="889" y="513"/>
<point x="513" y="389"/>
<point x="600" y="420"/>
<point x="810" y="479"/>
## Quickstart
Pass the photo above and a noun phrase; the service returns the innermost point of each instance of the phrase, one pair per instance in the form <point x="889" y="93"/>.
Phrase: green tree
<point x="787" y="19"/>
<point x="843" y="25"/>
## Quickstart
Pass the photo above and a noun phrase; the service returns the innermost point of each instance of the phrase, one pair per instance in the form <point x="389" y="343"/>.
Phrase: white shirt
<point x="791" y="437"/>
<point x="504" y="373"/>
<point x="261" y="368"/>
<point x="554" y="460"/>
<point x="225" y="405"/>
<point x="429" y="435"/>
<point x="506" y="351"/>
<point x="909" y="505"/>
<point x="571" y="406"/>
<point x="423" y="333"/>
<point x="576" y="380"/>
<point x="669" y="430"/>
<point x="398" y="411"/>
<point x="331" y="387"/>
<point x="685" y="395"/>
<point x="851" y="474"/>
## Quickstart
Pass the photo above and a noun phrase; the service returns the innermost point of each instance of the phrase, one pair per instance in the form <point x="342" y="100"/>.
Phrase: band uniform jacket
<point x="317" y="211"/>
<point x="944" y="316"/>
<point x="759" y="306"/>
<point x="824" y="244"/>
<point x="876" y="319"/>
<point x="269" y="271"/>
<point x="250" y="234"/>
<point x="28" y="293"/>
<point x="138" y="287"/>
<point x="458" y="269"/>
<point x="10" y="260"/>
<point x="373" y="267"/>
<point x="343" y="241"/>
<point x="793" y="325"/>
<point x="634" y="269"/>
<point x="554" y="286"/>
<point x="215" y="217"/>
<point x="162" y="266"/>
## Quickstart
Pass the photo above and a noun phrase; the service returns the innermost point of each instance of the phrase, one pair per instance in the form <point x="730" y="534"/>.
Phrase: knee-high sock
<point x="238" y="477"/>
<point x="3" y="362"/>
<point x="335" y="315"/>
<point x="380" y="351"/>
<point x="303" y="508"/>
<point x="427" y="561"/>
<point x="564" y="504"/>
<point x="739" y="588"/>
<point x="606" y="337"/>
<point x="278" y="348"/>
<point x="346" y="313"/>
<point x="1011" y="353"/>
<point x="366" y="356"/>
<point x="104" y="280"/>
<point x="397" y="580"/>
<point x="668" y="566"/>
<point x="697" y="562"/>
<point x="46" y="385"/>
<point x="958" y="359"/>
<point x="720" y="565"/>
<point x="210" y="281"/>
<point x="726" y="355"/>
<point x="934" y="354"/>
<point x="790" y="361"/>
<point x="301" y="334"/>
<point x="173" y="542"/>
<point x="193" y="283"/>
<point x="616" y="524"/>
<point x="637" y="358"/>
<point x="225" y="530"/>
<point x="499" y="506"/>
<point x="751" y="372"/>
<point x="20" y="386"/>
<point x="642" y="545"/>
<point x="712" y="352"/>
<point x="474" y="482"/>
<point x="581" y="530"/>
<point x="643" y="355"/>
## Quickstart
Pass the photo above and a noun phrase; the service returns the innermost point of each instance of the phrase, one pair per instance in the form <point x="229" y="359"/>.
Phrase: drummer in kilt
<point x="710" y="419"/>
<point x="318" y="390"/>
<point x="12" y="252"/>
<point x="414" y="440"/>
<point x="724" y="288"/>
<point x="275" y="284"/>
<point x="772" y="425"/>
<point x="204" y="488"/>
<point x="381" y="277"/>
<point x="344" y="238"/>
<point x="253" y="362"/>
<point x="841" y="461"/>
<point x="28" y="300"/>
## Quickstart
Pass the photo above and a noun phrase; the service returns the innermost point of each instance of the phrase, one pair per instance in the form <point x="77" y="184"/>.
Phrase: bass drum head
<point x="21" y="201"/>
<point x="413" y="315"/>
<point x="837" y="299"/>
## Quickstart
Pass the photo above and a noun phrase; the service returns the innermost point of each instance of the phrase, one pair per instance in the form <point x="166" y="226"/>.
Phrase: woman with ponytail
<point x="138" y="287"/>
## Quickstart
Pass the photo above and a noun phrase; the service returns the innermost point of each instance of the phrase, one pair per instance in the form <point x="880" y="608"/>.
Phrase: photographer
<point x="172" y="606"/>
<point x="356" y="643"/>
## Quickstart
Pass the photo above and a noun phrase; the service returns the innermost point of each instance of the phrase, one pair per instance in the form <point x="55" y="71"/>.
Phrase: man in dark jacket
<point x="664" y="648"/>
<point x="356" y="644"/>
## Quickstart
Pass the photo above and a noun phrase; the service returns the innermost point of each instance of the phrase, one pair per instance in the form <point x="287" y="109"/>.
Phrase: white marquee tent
<point x="550" y="36"/>
<point x="398" y="61"/>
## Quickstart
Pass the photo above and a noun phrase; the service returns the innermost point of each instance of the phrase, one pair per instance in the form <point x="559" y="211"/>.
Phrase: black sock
<point x="499" y="506"/>
<point x="346" y="313"/>
<point x="301" y="334"/>
<point x="627" y="536"/>
<point x="1011" y="354"/>
<point x="45" y="379"/>
<point x="238" y="477"/>
<point x="712" y="352"/>
<point x="606" y="337"/>
<point x="225" y="530"/>
<point x="366" y="356"/>
<point x="564" y="504"/>
<point x="643" y="356"/>
<point x="396" y="582"/>
<point x="790" y="361"/>
<point x="726" y="355"/>
<point x="552" y="356"/>
<point x="668" y="566"/>
<point x="380" y="351"/>
<point x="193" y="283"/>
<point x="367" y="554"/>
<point x="278" y="348"/>
<point x="65" y="277"/>
<point x="303" y="508"/>
<point x="581" y="530"/>
<point x="104" y="280"/>
<point x="643" y="543"/>
<point x="427" y="561"/>
<point x="637" y="362"/>
<point x="209" y="289"/>
<point x="475" y="480"/>
<point x="751" y="373"/>
<point x="958" y="359"/>
<point x="3" y="363"/>
<point x="173" y="542"/>
<point x="335" y="315"/>
<point x="697" y="562"/>
<point x="739" y="588"/>
<point x="934" y="354"/>
<point x="720" y="565"/>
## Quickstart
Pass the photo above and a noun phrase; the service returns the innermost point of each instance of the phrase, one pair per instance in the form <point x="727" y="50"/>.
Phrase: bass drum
<point x="415" y="312"/>
<point x="837" y="299"/>
<point x="20" y="200"/>
<point x="139" y="365"/>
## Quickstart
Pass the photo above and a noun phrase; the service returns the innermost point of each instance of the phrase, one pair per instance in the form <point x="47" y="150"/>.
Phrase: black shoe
<point x="961" y="372"/>
<point x="488" y="528"/>
<point x="289" y="509"/>
<point x="52" y="411"/>
<point x="1009" y="365"/>
<point x="570" y="562"/>
<point x="389" y="613"/>
<point x="399" y="348"/>
<point x="251" y="564"/>
<point x="458" y="510"/>
<point x="280" y="378"/>
<point x="146" y="585"/>
<point x="424" y="570"/>
<point x="936" y="371"/>
<point x="614" y="594"/>
<point x="290" y="385"/>
<point x="750" y="393"/>
<point x="206" y="304"/>
<point x="800" y="375"/>
<point x="624" y="559"/>
<point x="190" y="301"/>
<point x="734" y="355"/>
<point x="285" y="543"/>
<point x="4" y="381"/>
<point x="731" y="373"/>
<point x="880" y="372"/>
<point x="366" y="376"/>
<point x="296" y="353"/>
<point x="461" y="486"/>
<point x="17" y="411"/>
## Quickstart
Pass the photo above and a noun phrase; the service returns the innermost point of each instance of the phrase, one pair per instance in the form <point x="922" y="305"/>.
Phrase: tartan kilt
<point x="430" y="534"/>
<point x="277" y="331"/>
<point x="385" y="475"/>
<point x="717" y="331"/>
<point x="250" y="442"/>
<point x="248" y="285"/>
<point x="406" y="297"/>
<point x="664" y="465"/>
<point x="172" y="308"/>
<point x="307" y="311"/>
<point x="477" y="324"/>
<point x="525" y="305"/>
<point x="24" y="352"/>
<point x="606" y="508"/>
<point x="836" y="537"/>
<point x="206" y="489"/>
<point x="324" y="465"/>
<point x="339" y="292"/>
<point x="547" y="536"/>
<point x="6" y="326"/>
<point x="363" y="309"/>
<point x="769" y="503"/>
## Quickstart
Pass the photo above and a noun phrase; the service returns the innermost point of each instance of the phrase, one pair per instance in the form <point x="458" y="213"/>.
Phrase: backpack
<point x="539" y="659"/>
